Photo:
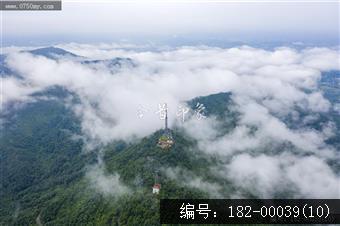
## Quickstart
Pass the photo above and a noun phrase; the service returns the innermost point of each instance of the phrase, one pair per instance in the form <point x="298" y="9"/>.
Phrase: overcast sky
<point x="110" y="20"/>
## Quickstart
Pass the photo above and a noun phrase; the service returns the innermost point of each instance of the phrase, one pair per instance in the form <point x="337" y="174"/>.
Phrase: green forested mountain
<point x="44" y="167"/>
<point x="43" y="170"/>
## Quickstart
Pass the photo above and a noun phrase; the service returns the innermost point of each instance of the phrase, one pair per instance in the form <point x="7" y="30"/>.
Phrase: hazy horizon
<point x="176" y="23"/>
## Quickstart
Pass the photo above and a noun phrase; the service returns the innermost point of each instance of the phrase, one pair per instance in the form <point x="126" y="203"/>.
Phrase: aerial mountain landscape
<point x="80" y="132"/>
<point x="193" y="112"/>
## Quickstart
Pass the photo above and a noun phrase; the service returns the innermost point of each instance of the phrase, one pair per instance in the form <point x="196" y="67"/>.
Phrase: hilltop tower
<point x="165" y="141"/>
<point x="166" y="119"/>
<point x="167" y="131"/>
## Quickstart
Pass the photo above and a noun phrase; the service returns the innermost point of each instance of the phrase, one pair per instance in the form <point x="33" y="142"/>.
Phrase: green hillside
<point x="43" y="171"/>
<point x="44" y="168"/>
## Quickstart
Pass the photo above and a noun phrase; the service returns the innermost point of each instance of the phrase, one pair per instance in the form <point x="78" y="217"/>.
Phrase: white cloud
<point x="321" y="58"/>
<point x="266" y="87"/>
<point x="266" y="176"/>
<point x="107" y="184"/>
<point x="188" y="179"/>
<point x="261" y="175"/>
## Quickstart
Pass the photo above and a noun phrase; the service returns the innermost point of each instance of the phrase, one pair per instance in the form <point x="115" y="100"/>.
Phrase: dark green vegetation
<point x="43" y="167"/>
<point x="43" y="170"/>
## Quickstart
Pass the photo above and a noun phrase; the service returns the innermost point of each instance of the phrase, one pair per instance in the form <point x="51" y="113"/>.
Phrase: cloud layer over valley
<point x="115" y="84"/>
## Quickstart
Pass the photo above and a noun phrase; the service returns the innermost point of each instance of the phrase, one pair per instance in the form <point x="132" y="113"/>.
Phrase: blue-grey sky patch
<point x="112" y="21"/>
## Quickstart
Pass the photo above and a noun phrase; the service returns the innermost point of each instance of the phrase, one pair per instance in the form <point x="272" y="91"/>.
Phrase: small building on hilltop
<point x="156" y="188"/>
